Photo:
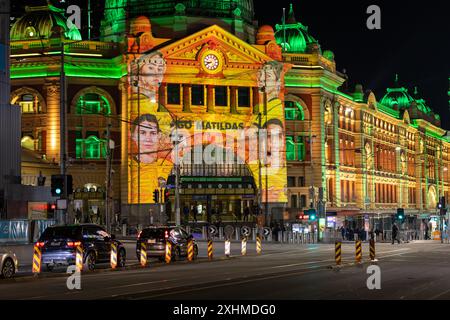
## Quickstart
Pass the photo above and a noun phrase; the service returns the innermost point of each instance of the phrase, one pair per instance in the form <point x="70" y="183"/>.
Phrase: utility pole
<point x="109" y="148"/>
<point x="89" y="19"/>
<point x="266" y="149"/>
<point x="177" y="177"/>
<point x="62" y="125"/>
<point x="259" y="162"/>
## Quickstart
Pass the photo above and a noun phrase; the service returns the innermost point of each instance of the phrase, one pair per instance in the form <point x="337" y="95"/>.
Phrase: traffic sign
<point x="212" y="230"/>
<point x="266" y="231"/>
<point x="245" y="231"/>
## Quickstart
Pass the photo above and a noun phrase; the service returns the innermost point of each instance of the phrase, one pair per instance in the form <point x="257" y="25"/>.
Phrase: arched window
<point x="29" y="103"/>
<point x="290" y="148"/>
<point x="93" y="103"/>
<point x="293" y="111"/>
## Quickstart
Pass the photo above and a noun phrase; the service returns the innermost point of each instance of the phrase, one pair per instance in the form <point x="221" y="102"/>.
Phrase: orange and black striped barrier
<point x="190" y="250"/>
<point x="79" y="259"/>
<point x="143" y="255"/>
<point x="113" y="255"/>
<point x="210" y="249"/>
<point x="258" y="244"/>
<point x="372" y="250"/>
<point x="168" y="252"/>
<point x="244" y="246"/>
<point x="358" y="251"/>
<point x="37" y="257"/>
<point x="338" y="252"/>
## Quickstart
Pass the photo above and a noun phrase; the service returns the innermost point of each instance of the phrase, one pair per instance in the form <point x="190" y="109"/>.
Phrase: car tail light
<point x="166" y="234"/>
<point x="73" y="244"/>
<point x="139" y="235"/>
<point x="40" y="244"/>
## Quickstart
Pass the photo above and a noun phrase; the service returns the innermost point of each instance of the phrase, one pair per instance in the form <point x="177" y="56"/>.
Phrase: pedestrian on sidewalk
<point x="395" y="233"/>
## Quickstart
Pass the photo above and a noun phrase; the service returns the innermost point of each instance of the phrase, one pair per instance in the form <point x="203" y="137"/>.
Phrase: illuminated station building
<point x="367" y="157"/>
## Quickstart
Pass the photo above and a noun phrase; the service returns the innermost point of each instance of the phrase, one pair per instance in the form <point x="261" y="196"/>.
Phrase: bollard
<point x="143" y="256"/>
<point x="244" y="246"/>
<point x="238" y="233"/>
<point x="372" y="250"/>
<point x="124" y="230"/>
<point x="190" y="250"/>
<point x="358" y="251"/>
<point x="220" y="233"/>
<point x="258" y="244"/>
<point x="37" y="256"/>
<point x="227" y="248"/>
<point x="79" y="259"/>
<point x="210" y="249"/>
<point x="113" y="255"/>
<point x="168" y="252"/>
<point x="204" y="232"/>
<point x="338" y="252"/>
<point x="280" y="236"/>
<point x="254" y="233"/>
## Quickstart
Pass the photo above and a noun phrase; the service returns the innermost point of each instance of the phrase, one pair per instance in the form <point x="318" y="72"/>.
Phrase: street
<point x="283" y="272"/>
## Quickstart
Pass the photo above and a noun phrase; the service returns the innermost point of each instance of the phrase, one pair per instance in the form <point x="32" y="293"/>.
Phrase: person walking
<point x="395" y="234"/>
<point x="194" y="213"/>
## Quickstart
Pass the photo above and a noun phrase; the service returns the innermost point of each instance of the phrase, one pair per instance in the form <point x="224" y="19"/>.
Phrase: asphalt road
<point x="285" y="272"/>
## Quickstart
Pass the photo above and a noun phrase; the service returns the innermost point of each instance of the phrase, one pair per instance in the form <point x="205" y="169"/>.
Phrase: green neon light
<point x="109" y="72"/>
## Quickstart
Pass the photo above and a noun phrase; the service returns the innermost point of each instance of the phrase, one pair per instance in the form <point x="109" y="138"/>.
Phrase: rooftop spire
<point x="291" y="18"/>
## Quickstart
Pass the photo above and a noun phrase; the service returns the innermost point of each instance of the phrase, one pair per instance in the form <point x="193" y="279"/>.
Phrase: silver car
<point x="8" y="264"/>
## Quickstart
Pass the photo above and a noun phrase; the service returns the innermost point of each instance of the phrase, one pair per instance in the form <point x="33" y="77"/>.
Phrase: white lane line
<point x="439" y="295"/>
<point x="139" y="284"/>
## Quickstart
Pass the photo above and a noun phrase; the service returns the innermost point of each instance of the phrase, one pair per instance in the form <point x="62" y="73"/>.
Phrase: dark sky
<point x="414" y="42"/>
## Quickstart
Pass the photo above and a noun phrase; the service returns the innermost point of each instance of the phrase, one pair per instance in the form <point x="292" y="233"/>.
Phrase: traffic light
<point x="58" y="185"/>
<point x="166" y="195"/>
<point x="400" y="214"/>
<point x="312" y="215"/>
<point x="442" y="206"/>
<point x="156" y="196"/>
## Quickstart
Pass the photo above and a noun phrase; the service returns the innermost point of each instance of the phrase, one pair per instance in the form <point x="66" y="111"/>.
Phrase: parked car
<point x="156" y="237"/>
<point x="58" y="246"/>
<point x="8" y="264"/>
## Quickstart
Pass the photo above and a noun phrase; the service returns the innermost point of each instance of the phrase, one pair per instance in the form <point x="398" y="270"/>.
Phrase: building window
<point x="293" y="111"/>
<point x="173" y="94"/>
<point x="29" y="103"/>
<point x="294" y="203"/>
<point x="301" y="181"/>
<point x="244" y="97"/>
<point x="221" y="96"/>
<point x="91" y="148"/>
<point x="92" y="103"/>
<point x="290" y="148"/>
<point x="303" y="201"/>
<point x="291" y="182"/>
<point x="301" y="149"/>
<point x="198" y="95"/>
<point x="27" y="143"/>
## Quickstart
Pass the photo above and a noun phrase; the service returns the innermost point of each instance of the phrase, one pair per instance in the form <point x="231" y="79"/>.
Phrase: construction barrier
<point x="168" y="252"/>
<point x="258" y="244"/>
<point x="227" y="248"/>
<point x="190" y="250"/>
<point x="338" y="252"/>
<point x="113" y="255"/>
<point x="210" y="249"/>
<point x="79" y="259"/>
<point x="358" y="251"/>
<point x="372" y="250"/>
<point x="37" y="257"/>
<point x="244" y="246"/>
<point x="143" y="255"/>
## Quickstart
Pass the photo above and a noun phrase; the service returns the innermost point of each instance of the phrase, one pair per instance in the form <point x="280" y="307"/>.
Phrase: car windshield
<point x="62" y="232"/>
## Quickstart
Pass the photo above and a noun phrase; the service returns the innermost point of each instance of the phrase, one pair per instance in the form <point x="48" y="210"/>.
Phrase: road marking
<point x="139" y="284"/>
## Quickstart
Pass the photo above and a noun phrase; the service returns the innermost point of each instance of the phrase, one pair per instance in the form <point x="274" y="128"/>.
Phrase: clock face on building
<point x="211" y="62"/>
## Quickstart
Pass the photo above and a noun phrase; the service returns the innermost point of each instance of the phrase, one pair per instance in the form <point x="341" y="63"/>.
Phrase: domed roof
<point x="421" y="104"/>
<point x="42" y="22"/>
<point x="265" y="34"/>
<point x="397" y="97"/>
<point x="293" y="36"/>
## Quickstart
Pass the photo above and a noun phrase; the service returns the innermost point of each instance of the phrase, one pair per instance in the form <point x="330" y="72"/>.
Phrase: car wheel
<point x="121" y="259"/>
<point x="89" y="263"/>
<point x="8" y="269"/>
<point x="49" y="267"/>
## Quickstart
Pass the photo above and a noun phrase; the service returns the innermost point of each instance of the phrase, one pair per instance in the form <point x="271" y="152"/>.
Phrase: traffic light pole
<point x="62" y="219"/>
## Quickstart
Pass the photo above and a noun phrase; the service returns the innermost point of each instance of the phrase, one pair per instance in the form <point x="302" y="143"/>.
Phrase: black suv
<point x="155" y="238"/>
<point x="58" y="246"/>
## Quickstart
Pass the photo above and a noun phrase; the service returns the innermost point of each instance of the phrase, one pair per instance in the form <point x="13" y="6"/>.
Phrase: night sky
<point x="414" y="42"/>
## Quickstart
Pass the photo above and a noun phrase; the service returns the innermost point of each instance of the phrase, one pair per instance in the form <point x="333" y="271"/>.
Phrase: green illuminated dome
<point x="293" y="36"/>
<point x="398" y="97"/>
<point x="421" y="104"/>
<point x="42" y="23"/>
